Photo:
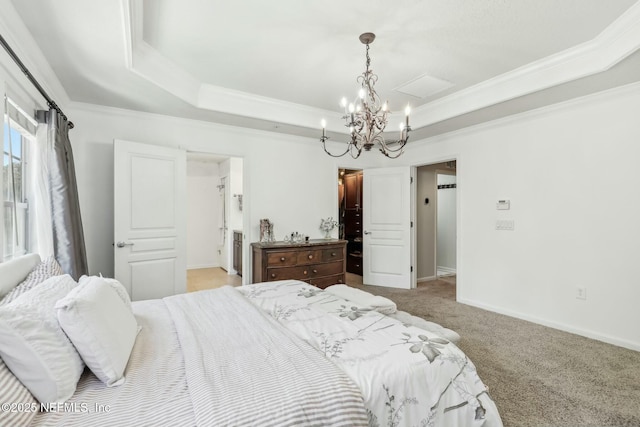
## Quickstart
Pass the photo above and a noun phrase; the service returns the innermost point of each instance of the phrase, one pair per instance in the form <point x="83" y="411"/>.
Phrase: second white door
<point x="387" y="239"/>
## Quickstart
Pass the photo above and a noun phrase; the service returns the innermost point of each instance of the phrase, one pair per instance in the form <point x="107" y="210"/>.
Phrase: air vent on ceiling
<point x="423" y="86"/>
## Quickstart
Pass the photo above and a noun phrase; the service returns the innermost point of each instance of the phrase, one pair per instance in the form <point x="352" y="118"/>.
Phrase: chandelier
<point x="366" y="117"/>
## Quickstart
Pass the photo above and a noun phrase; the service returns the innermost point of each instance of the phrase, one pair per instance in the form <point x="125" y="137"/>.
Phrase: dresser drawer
<point x="285" y="273"/>
<point x="323" y="282"/>
<point x="333" y="254"/>
<point x="309" y="257"/>
<point x="325" y="269"/>
<point x="281" y="259"/>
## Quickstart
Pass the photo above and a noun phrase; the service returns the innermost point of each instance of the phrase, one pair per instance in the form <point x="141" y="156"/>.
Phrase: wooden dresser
<point x="318" y="262"/>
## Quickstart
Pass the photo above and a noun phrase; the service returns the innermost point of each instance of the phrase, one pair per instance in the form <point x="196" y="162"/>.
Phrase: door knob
<point x="123" y="244"/>
<point x="367" y="232"/>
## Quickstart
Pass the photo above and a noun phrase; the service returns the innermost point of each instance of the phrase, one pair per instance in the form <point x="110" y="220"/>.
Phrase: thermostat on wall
<point x="503" y="205"/>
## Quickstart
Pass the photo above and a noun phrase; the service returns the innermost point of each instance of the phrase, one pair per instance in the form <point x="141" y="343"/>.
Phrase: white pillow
<point x="101" y="326"/>
<point x="33" y="345"/>
<point x="47" y="268"/>
<point x="115" y="284"/>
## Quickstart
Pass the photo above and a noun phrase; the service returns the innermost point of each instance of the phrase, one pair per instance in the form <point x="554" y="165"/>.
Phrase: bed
<point x="278" y="353"/>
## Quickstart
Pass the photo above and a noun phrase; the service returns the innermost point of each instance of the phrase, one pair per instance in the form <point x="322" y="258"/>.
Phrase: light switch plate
<point x="503" y="205"/>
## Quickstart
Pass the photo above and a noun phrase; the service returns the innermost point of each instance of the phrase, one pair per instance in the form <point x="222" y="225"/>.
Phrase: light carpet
<point x="537" y="376"/>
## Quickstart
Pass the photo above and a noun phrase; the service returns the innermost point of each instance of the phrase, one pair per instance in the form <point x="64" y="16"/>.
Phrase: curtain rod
<point x="50" y="102"/>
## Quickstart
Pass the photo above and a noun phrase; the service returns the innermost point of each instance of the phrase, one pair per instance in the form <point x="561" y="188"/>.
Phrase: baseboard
<point x="199" y="266"/>
<point x="426" y="279"/>
<point x="555" y="325"/>
<point x="447" y="270"/>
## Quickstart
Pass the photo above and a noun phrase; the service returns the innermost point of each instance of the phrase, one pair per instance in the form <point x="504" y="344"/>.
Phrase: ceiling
<point x="282" y="66"/>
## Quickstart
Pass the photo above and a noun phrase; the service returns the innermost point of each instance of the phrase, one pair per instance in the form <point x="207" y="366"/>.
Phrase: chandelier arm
<point x="324" y="147"/>
<point x="401" y="143"/>
<point x="391" y="156"/>
<point x="354" y="154"/>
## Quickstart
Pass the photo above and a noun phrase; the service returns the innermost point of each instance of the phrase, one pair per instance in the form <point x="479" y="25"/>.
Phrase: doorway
<point x="214" y="213"/>
<point x="436" y="220"/>
<point x="350" y="221"/>
<point x="446" y="225"/>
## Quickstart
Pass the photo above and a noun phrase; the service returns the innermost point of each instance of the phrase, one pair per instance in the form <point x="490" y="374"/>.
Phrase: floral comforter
<point x="407" y="376"/>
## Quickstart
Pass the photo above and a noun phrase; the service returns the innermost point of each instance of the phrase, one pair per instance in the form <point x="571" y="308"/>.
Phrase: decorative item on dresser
<point x="266" y="231"/>
<point x="318" y="262"/>
<point x="327" y="226"/>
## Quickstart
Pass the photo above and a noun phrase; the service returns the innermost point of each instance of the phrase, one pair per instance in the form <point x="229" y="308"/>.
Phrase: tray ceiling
<point x="282" y="66"/>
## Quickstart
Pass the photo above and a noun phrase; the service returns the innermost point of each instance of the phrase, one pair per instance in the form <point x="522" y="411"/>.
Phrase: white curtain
<point x="40" y="227"/>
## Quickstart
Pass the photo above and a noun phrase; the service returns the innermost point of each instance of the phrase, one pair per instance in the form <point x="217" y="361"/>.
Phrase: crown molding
<point x="631" y="89"/>
<point x="616" y="42"/>
<point x="123" y="113"/>
<point x="612" y="45"/>
<point x="145" y="61"/>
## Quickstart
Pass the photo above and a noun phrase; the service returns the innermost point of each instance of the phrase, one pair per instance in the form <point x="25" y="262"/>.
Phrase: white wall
<point x="203" y="203"/>
<point x="576" y="220"/>
<point x="286" y="179"/>
<point x="446" y="225"/>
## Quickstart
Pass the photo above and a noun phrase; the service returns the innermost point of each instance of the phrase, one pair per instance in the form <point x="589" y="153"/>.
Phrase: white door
<point x="150" y="219"/>
<point x="387" y="239"/>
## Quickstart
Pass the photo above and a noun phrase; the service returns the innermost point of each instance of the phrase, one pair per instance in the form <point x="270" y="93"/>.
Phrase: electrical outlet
<point x="581" y="292"/>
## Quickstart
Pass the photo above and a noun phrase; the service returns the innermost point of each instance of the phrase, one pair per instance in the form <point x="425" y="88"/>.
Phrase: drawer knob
<point x="273" y="275"/>
<point x="305" y="272"/>
<point x="339" y="280"/>
<point x="310" y="256"/>
<point x="315" y="271"/>
<point x="282" y="259"/>
<point x="333" y="254"/>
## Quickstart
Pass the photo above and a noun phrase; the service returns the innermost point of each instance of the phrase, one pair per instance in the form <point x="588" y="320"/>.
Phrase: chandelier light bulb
<point x="407" y="110"/>
<point x="361" y="93"/>
<point x="323" y="123"/>
<point x="343" y="102"/>
<point x="401" y="126"/>
<point x="351" y="108"/>
<point x="384" y="106"/>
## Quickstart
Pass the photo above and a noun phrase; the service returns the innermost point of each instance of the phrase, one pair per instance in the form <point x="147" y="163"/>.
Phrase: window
<point x="14" y="180"/>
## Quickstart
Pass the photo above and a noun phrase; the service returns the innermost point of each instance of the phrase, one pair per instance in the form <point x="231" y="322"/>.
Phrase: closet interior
<point x="350" y="216"/>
